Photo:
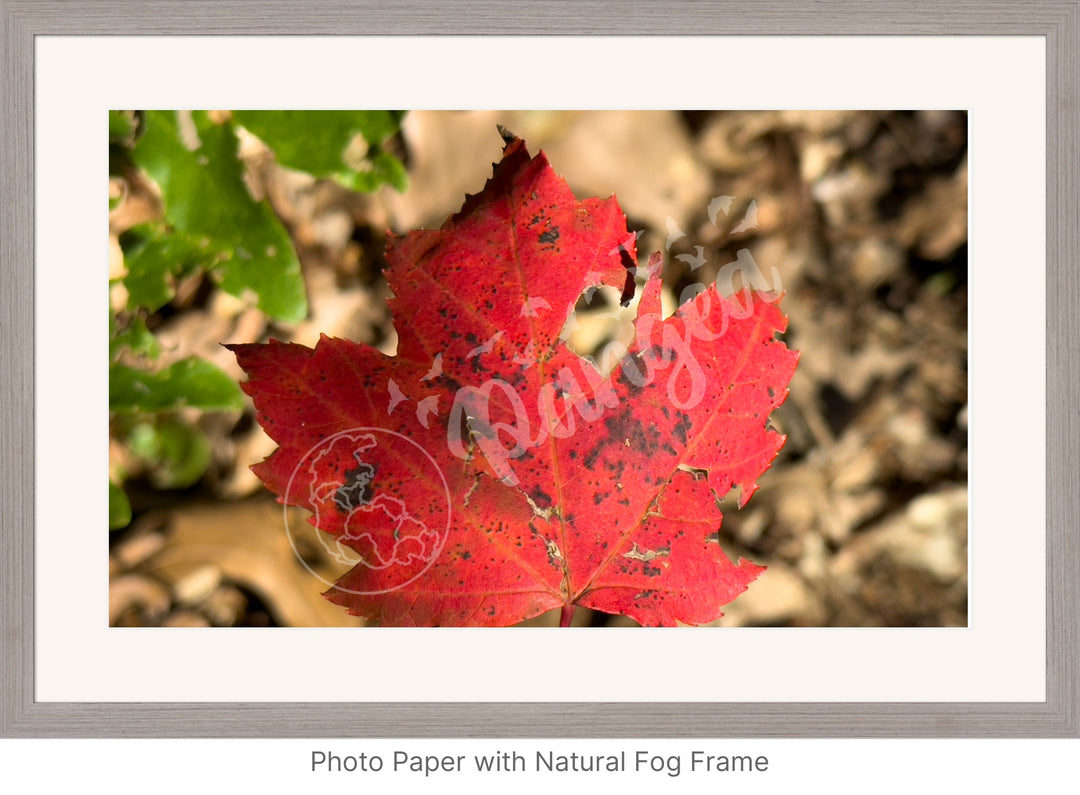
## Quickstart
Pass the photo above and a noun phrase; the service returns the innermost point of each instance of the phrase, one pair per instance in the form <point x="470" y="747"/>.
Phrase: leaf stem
<point x="567" y="615"/>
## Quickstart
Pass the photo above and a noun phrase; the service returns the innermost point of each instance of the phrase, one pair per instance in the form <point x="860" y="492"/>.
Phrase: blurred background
<point x="862" y="519"/>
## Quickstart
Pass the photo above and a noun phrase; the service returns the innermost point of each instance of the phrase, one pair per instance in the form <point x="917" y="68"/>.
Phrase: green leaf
<point x="155" y="258"/>
<point x="121" y="125"/>
<point x="322" y="143"/>
<point x="385" y="169"/>
<point x="175" y="453"/>
<point x="195" y="163"/>
<point x="119" y="507"/>
<point x="188" y="382"/>
<point x="136" y="338"/>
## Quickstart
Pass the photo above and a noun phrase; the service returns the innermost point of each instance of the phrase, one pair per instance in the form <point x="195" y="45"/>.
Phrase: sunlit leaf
<point x="188" y="382"/>
<point x="195" y="163"/>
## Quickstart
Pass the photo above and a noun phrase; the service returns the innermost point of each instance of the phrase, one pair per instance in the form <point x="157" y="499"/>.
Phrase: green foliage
<point x="188" y="382"/>
<point x="119" y="507"/>
<point x="121" y="125"/>
<point x="174" y="453"/>
<point x="213" y="224"/>
<point x="136" y="337"/>
<point x="339" y="145"/>
<point x="155" y="258"/>
<point x="206" y="201"/>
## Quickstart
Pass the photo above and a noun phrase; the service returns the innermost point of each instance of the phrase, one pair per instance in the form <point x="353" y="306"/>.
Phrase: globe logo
<point x="379" y="504"/>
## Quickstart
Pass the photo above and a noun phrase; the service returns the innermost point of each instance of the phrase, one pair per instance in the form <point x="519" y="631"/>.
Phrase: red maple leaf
<point x="487" y="473"/>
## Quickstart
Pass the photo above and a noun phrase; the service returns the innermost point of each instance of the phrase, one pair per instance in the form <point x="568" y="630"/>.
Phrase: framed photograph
<point x="721" y="351"/>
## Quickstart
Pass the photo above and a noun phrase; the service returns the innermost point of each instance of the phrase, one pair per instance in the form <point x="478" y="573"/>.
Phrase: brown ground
<point x="862" y="520"/>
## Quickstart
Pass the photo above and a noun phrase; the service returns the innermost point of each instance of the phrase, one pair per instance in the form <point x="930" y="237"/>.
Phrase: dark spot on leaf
<point x="550" y="236"/>
<point x="683" y="423"/>
<point x="639" y="442"/>
<point x="540" y="497"/>
<point x="356" y="490"/>
<point x="451" y="383"/>
<point x="632" y="385"/>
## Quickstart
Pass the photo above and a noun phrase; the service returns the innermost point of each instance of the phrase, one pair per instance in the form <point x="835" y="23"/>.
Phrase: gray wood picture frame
<point x="22" y="716"/>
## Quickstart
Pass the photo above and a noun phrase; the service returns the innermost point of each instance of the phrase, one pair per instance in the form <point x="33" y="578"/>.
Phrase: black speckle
<point x="682" y="425"/>
<point x="356" y="490"/>
<point x="550" y="236"/>
<point x="451" y="383"/>
<point x="633" y="384"/>
<point x="540" y="497"/>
